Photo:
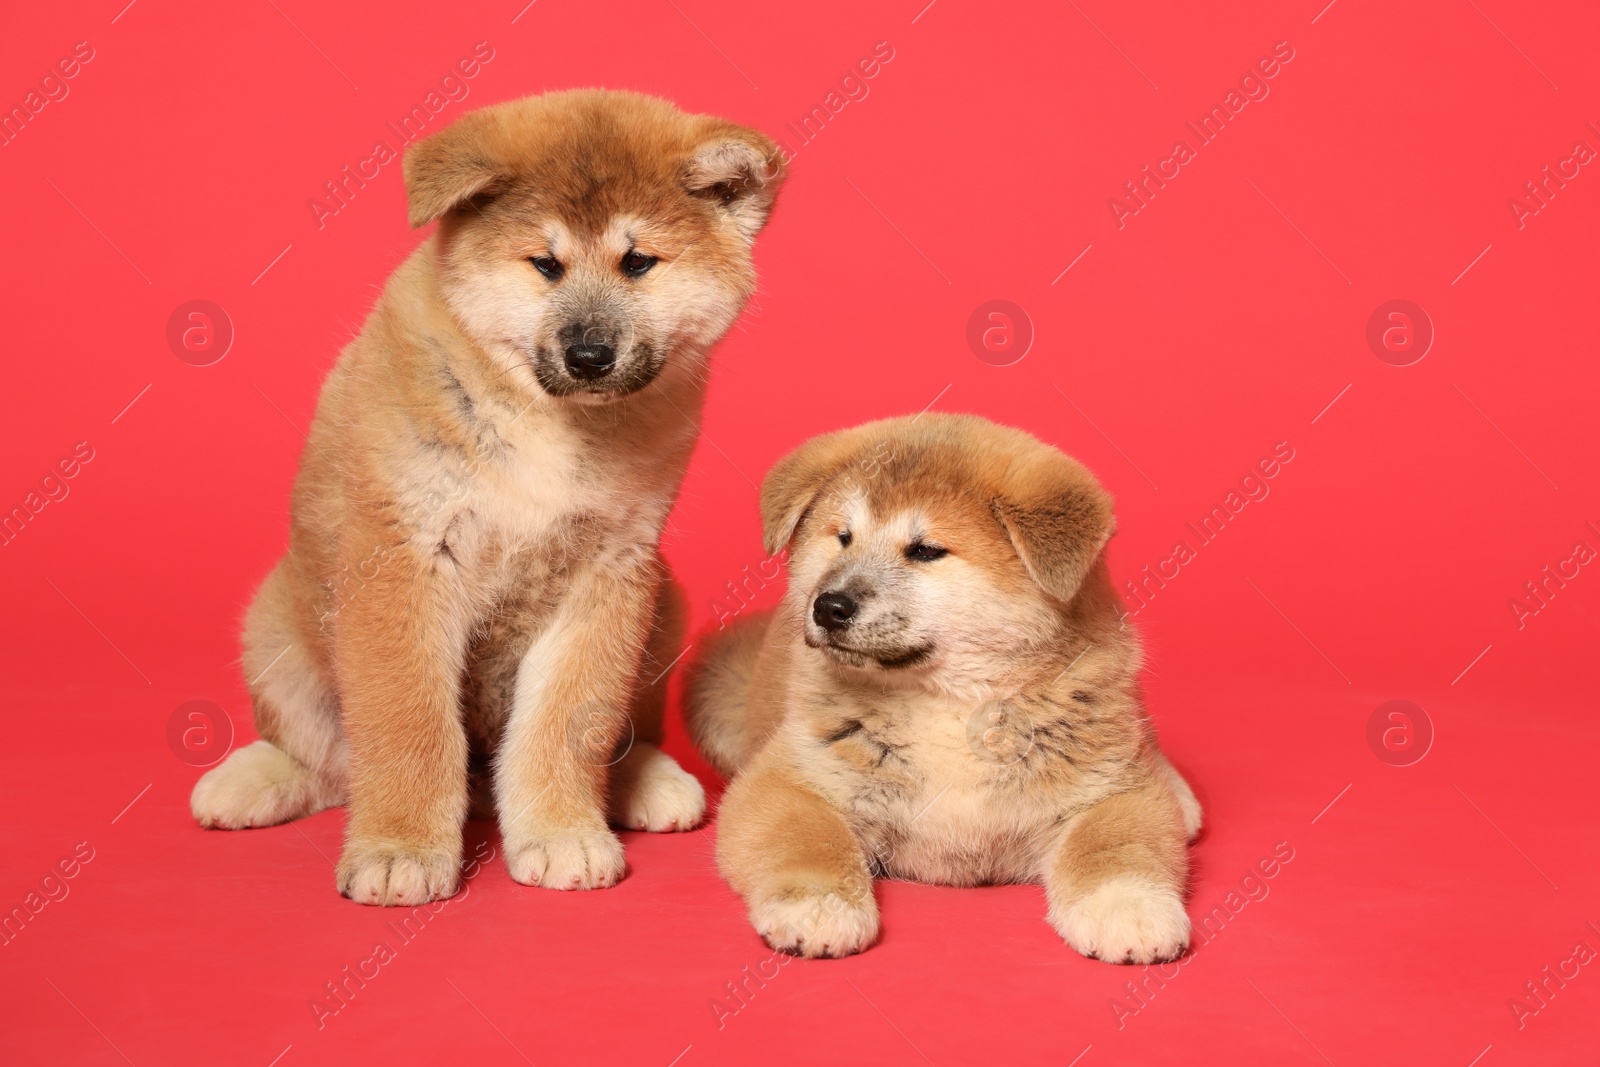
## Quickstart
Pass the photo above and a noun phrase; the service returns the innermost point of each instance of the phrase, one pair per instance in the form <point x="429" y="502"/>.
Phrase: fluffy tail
<point x="717" y="690"/>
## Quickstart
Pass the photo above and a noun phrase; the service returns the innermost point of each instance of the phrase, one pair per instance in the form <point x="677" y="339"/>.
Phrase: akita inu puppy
<point x="947" y="693"/>
<point x="473" y="578"/>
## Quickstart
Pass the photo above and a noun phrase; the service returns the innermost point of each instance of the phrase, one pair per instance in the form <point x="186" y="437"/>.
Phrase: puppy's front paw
<point x="392" y="875"/>
<point x="576" y="859"/>
<point x="1125" y="920"/>
<point x="814" y="922"/>
<point x="649" y="791"/>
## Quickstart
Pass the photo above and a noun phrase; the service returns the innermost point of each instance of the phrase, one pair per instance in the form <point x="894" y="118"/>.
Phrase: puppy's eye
<point x="637" y="264"/>
<point x="550" y="268"/>
<point x="844" y="538"/>
<point x="922" y="552"/>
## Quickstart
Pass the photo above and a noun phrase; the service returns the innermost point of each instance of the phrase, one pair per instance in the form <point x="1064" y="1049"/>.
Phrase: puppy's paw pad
<point x="582" y="859"/>
<point x="816" y="922"/>
<point x="1125" y="920"/>
<point x="660" y="797"/>
<point x="394" y="876"/>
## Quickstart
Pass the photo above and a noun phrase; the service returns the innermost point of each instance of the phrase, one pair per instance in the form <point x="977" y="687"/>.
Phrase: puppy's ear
<point x="452" y="166"/>
<point x="792" y="485"/>
<point x="1059" y="519"/>
<point x="739" y="169"/>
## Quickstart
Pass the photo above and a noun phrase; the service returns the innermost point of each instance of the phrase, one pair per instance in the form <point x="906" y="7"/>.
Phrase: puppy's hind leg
<point x="648" y="790"/>
<point x="298" y="767"/>
<point x="1186" y="799"/>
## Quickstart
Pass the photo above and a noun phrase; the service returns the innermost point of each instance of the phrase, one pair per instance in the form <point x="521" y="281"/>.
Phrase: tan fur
<point x="977" y="719"/>
<point x="472" y="598"/>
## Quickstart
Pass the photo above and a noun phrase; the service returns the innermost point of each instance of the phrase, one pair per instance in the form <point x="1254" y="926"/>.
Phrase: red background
<point x="1221" y="319"/>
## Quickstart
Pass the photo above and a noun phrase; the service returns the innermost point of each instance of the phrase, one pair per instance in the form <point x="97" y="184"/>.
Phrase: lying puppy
<point x="472" y="577"/>
<point x="946" y="694"/>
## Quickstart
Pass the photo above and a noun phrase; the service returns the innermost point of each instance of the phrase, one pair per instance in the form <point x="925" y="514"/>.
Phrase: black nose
<point x="832" y="611"/>
<point x="590" y="361"/>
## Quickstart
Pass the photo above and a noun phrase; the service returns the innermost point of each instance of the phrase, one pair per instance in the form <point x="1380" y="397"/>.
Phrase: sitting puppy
<point x="947" y="693"/>
<point x="472" y="580"/>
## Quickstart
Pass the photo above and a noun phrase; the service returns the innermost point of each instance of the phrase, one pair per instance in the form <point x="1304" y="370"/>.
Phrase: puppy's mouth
<point x="888" y="658"/>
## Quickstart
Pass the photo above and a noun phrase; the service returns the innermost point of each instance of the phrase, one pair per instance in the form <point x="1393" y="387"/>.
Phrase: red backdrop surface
<point x="1176" y="339"/>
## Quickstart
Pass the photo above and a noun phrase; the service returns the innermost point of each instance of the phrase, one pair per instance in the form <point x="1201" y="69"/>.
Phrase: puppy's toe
<point x="391" y="875"/>
<point x="1125" y="920"/>
<point x="578" y="859"/>
<point x="649" y="791"/>
<point x="814" y="922"/>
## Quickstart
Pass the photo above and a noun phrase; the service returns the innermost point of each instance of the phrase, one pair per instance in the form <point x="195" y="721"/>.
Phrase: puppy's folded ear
<point x="741" y="170"/>
<point x="793" y="483"/>
<point x="1059" y="519"/>
<point x="452" y="166"/>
